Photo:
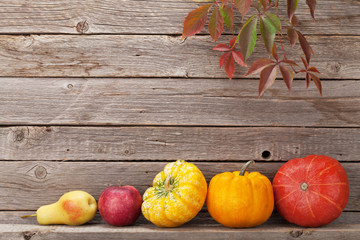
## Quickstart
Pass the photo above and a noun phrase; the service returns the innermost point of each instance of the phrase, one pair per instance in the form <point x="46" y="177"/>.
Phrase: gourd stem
<point x="167" y="184"/>
<point x="304" y="186"/>
<point x="26" y="216"/>
<point x="119" y="183"/>
<point x="246" y="165"/>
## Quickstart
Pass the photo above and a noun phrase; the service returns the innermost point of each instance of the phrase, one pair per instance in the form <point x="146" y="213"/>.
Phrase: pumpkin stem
<point x="304" y="186"/>
<point x="167" y="184"/>
<point x="246" y="165"/>
<point x="26" y="216"/>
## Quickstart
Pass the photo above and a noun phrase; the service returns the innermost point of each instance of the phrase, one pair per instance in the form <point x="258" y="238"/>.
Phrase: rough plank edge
<point x="97" y="231"/>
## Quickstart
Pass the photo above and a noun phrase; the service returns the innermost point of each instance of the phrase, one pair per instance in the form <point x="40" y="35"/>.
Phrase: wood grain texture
<point x="154" y="56"/>
<point x="191" y="102"/>
<point x="29" y="185"/>
<point x="171" y="143"/>
<point x="151" y="17"/>
<point x="191" y="231"/>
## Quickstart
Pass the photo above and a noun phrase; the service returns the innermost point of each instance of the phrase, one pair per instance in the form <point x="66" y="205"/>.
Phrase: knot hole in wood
<point x="82" y="26"/>
<point x="40" y="172"/>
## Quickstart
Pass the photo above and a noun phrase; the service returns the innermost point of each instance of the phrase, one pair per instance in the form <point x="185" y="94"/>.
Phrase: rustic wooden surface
<point x="155" y="101"/>
<point x="45" y="182"/>
<point x="150" y="17"/>
<point x="68" y="143"/>
<point x="96" y="91"/>
<point x="154" y="56"/>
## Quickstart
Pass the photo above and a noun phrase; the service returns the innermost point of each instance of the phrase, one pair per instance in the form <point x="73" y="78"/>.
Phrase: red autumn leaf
<point x="259" y="65"/>
<point x="305" y="46"/>
<point x="291" y="7"/>
<point x="229" y="57"/>
<point x="317" y="82"/>
<point x="267" y="78"/>
<point x="292" y="35"/>
<point x="238" y="58"/>
<point x="195" y="20"/>
<point x="307" y="79"/>
<point x="230" y="67"/>
<point x="224" y="58"/>
<point x="274" y="52"/>
<point x="287" y="75"/>
<point x="247" y="37"/>
<point x="304" y="62"/>
<point x="216" y="24"/>
<point x="232" y="42"/>
<point x="294" y="20"/>
<point x="310" y="75"/>
<point x="243" y="6"/>
<point x="223" y="2"/>
<point x="228" y="16"/>
<point x="222" y="48"/>
<point x="290" y="62"/>
<point x="313" y="69"/>
<point x="264" y="3"/>
<point x="312" y="5"/>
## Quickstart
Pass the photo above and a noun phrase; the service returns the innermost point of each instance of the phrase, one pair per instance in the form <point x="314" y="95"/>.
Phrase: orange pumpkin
<point x="240" y="199"/>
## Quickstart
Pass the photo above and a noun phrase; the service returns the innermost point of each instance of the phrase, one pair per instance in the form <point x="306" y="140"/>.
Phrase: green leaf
<point x="268" y="31"/>
<point x="195" y="21"/>
<point x="274" y="20"/>
<point x="216" y="24"/>
<point x="228" y="16"/>
<point x="291" y="7"/>
<point x="247" y="37"/>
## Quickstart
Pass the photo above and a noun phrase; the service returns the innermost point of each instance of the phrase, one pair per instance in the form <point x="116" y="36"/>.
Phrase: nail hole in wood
<point x="266" y="154"/>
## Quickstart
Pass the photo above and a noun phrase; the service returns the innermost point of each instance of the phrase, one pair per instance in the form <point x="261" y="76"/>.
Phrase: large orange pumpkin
<point x="240" y="199"/>
<point x="311" y="191"/>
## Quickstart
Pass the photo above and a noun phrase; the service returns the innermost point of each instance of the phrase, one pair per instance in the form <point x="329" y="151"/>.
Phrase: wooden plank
<point x="203" y="217"/>
<point x="151" y="17"/>
<point x="28" y="185"/>
<point x="171" y="143"/>
<point x="153" y="56"/>
<point x="205" y="102"/>
<point x="192" y="231"/>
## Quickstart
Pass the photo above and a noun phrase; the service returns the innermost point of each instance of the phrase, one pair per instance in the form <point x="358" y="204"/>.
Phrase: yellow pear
<point x="73" y="208"/>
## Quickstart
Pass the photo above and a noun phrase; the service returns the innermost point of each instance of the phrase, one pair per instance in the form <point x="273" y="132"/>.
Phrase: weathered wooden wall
<point x="100" y="90"/>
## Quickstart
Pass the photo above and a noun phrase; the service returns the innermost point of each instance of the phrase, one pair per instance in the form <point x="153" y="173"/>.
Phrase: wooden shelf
<point x="347" y="226"/>
<point x="190" y="231"/>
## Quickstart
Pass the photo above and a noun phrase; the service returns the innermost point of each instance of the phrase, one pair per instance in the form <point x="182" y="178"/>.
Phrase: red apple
<point x="120" y="206"/>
